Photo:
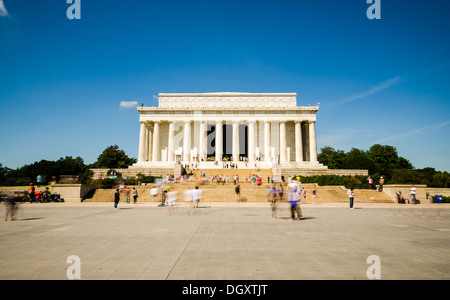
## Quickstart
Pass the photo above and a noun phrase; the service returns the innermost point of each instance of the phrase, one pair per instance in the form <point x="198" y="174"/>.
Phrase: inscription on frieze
<point x="228" y="100"/>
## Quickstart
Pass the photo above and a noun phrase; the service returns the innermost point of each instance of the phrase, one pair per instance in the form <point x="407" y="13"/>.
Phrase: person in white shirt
<point x="412" y="193"/>
<point x="351" y="196"/>
<point x="196" y="195"/>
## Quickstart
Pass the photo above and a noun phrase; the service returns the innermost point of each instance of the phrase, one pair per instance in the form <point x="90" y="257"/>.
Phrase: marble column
<point x="187" y="142"/>
<point x="267" y="143"/>
<point x="236" y="141"/>
<point x="141" y="155"/>
<point x="203" y="141"/>
<point x="148" y="143"/>
<point x="219" y="141"/>
<point x="251" y="140"/>
<point x="298" y="142"/>
<point x="312" y="142"/>
<point x="156" y="146"/>
<point x="170" y="143"/>
<point x="283" y="148"/>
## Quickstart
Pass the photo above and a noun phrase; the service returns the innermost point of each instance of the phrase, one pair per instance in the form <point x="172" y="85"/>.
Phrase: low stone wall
<point x="72" y="192"/>
<point x="421" y="191"/>
<point x="439" y="191"/>
<point x="131" y="172"/>
<point x="319" y="172"/>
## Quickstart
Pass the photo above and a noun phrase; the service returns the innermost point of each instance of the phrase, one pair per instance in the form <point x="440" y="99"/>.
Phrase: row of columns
<point x="150" y="139"/>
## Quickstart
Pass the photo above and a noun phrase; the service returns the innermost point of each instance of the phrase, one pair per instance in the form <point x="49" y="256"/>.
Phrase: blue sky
<point x="381" y="81"/>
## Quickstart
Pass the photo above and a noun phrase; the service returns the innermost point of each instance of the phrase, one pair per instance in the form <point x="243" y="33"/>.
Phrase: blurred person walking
<point x="154" y="193"/>
<point x="237" y="189"/>
<point x="273" y="201"/>
<point x="171" y="202"/>
<point x="294" y="201"/>
<point x="11" y="207"/>
<point x="280" y="193"/>
<point x="188" y="198"/>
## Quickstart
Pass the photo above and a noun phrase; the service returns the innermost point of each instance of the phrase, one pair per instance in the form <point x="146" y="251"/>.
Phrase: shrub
<point x="356" y="182"/>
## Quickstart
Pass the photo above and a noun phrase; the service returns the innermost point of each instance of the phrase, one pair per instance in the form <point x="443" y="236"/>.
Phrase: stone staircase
<point x="224" y="192"/>
<point x="242" y="173"/>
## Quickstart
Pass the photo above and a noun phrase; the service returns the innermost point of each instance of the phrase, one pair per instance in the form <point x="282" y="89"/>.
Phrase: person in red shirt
<point x="31" y="193"/>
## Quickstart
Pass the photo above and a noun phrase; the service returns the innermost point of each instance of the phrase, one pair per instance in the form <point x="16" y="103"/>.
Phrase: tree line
<point x="379" y="160"/>
<point x="112" y="158"/>
<point x="383" y="160"/>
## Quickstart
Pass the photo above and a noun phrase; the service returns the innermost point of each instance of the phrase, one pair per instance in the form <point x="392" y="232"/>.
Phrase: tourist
<point x="135" y="195"/>
<point x="188" y="197"/>
<point x="238" y="193"/>
<point x="38" y="196"/>
<point x="412" y="194"/>
<point x="313" y="196"/>
<point x="11" y="207"/>
<point x="380" y="187"/>
<point x="370" y="180"/>
<point x="196" y="195"/>
<point x="351" y="196"/>
<point x="127" y="194"/>
<point x="46" y="195"/>
<point x="304" y="194"/>
<point x="116" y="198"/>
<point x="164" y="194"/>
<point x="294" y="201"/>
<point x="400" y="198"/>
<point x="31" y="193"/>
<point x="154" y="192"/>
<point x="280" y="193"/>
<point x="273" y="201"/>
<point x="171" y="202"/>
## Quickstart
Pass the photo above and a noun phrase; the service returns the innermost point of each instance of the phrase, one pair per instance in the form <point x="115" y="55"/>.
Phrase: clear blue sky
<point x="378" y="81"/>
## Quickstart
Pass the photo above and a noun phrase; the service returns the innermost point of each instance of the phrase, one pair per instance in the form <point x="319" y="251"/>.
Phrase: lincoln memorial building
<point x="210" y="129"/>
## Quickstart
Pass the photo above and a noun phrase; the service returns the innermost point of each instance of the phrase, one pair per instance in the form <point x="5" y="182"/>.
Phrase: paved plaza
<point x="225" y="241"/>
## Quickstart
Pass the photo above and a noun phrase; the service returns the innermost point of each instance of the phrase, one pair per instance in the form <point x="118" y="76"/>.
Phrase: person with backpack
<point x="294" y="201"/>
<point x="135" y="195"/>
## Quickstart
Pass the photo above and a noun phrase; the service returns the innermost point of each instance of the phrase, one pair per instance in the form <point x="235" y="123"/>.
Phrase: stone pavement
<point x="231" y="241"/>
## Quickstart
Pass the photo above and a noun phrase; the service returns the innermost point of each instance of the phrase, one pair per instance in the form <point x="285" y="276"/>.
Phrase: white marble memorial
<point x="263" y="129"/>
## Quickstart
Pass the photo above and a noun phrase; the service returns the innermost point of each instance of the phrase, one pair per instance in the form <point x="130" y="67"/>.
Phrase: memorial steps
<point x="218" y="192"/>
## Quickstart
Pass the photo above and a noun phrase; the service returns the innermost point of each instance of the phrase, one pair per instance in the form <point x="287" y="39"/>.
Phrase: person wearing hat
<point x="380" y="187"/>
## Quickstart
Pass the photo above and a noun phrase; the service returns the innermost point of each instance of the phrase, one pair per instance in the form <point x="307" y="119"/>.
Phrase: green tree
<point x="358" y="159"/>
<point x="386" y="159"/>
<point x="3" y="173"/>
<point x="69" y="166"/>
<point x="331" y="158"/>
<point x="112" y="158"/>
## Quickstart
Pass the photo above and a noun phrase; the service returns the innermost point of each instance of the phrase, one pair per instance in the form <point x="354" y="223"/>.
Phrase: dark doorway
<point x="227" y="141"/>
